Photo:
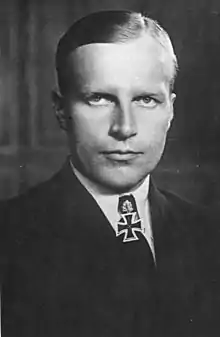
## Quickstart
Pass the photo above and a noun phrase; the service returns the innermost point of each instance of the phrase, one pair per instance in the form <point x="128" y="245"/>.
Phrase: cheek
<point x="87" y="124"/>
<point x="162" y="127"/>
<point x="85" y="135"/>
<point x="155" y="128"/>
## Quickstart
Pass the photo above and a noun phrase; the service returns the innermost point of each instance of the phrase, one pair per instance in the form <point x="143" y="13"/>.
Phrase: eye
<point x="146" y="101"/>
<point x="98" y="100"/>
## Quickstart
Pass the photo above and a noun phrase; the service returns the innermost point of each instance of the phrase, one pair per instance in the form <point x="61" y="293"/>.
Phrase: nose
<point x="123" y="124"/>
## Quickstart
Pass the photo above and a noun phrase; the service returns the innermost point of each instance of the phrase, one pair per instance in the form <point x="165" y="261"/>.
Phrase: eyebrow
<point x="112" y="92"/>
<point x="151" y="93"/>
<point x="84" y="94"/>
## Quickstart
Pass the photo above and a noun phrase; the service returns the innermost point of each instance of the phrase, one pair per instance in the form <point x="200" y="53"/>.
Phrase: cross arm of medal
<point x="129" y="224"/>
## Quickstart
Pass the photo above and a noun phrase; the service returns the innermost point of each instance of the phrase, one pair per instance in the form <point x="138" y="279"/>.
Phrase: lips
<point x="119" y="155"/>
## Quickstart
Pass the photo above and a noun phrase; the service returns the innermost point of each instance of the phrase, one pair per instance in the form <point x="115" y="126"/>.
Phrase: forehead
<point x="134" y="62"/>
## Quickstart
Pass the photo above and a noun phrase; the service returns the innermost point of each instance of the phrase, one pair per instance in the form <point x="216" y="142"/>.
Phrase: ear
<point x="172" y="100"/>
<point x="58" y="107"/>
<point x="173" y="97"/>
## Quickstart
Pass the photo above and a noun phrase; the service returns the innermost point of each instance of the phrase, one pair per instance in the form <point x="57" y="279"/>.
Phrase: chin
<point x="120" y="183"/>
<point x="120" y="187"/>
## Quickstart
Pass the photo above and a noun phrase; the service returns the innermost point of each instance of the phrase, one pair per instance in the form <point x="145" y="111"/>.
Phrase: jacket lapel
<point x="177" y="272"/>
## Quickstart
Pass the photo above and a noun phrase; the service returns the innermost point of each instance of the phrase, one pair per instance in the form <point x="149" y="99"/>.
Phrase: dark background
<point x="32" y="147"/>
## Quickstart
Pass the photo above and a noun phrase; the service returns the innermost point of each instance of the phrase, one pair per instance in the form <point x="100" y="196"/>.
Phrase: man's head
<point x="115" y="73"/>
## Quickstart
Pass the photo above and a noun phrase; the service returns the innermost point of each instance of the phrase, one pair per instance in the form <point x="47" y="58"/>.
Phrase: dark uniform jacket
<point x="65" y="273"/>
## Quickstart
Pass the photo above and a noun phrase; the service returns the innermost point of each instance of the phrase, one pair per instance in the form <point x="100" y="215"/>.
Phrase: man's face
<point x="119" y="109"/>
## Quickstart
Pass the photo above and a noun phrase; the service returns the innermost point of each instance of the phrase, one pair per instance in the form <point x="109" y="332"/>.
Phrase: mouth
<point x="119" y="155"/>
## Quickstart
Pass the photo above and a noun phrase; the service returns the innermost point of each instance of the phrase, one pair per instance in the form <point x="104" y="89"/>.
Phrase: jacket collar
<point x="167" y="228"/>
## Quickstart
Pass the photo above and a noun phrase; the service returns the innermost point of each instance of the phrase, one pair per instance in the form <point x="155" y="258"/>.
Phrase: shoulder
<point x="184" y="216"/>
<point x="198" y="222"/>
<point x="33" y="198"/>
<point x="19" y="214"/>
<point x="44" y="195"/>
<point x="36" y="209"/>
<point x="175" y="206"/>
<point x="183" y="208"/>
<point x="46" y="208"/>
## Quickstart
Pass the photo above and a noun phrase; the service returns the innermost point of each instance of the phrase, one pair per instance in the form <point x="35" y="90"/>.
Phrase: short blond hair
<point x="110" y="27"/>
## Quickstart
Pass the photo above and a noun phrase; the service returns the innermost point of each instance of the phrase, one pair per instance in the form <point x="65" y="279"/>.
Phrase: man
<point x="98" y="250"/>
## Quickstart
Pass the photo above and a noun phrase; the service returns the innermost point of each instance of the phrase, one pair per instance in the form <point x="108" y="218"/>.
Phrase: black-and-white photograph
<point x="110" y="168"/>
